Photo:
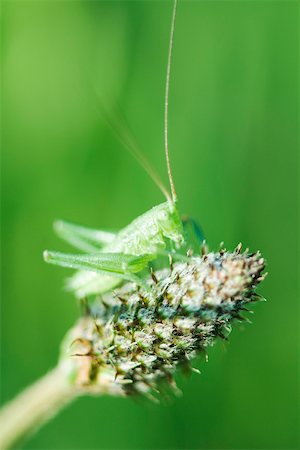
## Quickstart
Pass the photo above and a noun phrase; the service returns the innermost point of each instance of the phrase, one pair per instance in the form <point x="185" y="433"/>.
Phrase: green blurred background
<point x="233" y="137"/>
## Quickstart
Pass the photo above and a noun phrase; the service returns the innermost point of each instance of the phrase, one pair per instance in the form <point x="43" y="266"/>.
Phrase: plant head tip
<point x="135" y="339"/>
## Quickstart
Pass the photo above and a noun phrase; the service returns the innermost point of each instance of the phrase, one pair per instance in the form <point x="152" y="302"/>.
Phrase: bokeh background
<point x="234" y="142"/>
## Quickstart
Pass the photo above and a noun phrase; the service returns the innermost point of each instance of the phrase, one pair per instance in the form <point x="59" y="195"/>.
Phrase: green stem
<point x="33" y="407"/>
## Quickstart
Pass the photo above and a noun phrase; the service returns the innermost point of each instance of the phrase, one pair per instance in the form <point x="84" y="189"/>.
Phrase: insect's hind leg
<point x="85" y="239"/>
<point x="117" y="265"/>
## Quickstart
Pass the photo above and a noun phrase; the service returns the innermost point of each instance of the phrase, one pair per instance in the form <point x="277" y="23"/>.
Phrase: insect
<point x="109" y="258"/>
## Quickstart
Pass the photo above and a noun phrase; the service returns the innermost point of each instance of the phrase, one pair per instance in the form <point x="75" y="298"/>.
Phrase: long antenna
<point x="120" y="128"/>
<point x="174" y="196"/>
<point x="127" y="139"/>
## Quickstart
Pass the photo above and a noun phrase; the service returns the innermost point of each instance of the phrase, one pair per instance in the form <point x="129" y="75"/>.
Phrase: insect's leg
<point x="116" y="264"/>
<point x="193" y="233"/>
<point x="85" y="239"/>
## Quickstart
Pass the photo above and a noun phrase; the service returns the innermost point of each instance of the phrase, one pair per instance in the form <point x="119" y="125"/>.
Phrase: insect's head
<point x="170" y="223"/>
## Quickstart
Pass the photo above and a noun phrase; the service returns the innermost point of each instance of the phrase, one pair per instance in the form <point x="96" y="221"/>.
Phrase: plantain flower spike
<point x="132" y="341"/>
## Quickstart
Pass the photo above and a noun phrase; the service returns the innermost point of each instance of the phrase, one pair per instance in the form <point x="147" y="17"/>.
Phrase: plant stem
<point x="33" y="407"/>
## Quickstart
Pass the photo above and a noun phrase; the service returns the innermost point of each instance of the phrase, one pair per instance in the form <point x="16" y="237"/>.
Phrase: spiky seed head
<point x="134" y="339"/>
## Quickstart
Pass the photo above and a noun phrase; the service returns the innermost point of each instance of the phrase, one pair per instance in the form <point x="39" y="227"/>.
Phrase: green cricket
<point x="109" y="258"/>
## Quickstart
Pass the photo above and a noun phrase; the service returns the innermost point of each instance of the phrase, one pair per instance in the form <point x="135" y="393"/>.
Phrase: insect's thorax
<point x="149" y="232"/>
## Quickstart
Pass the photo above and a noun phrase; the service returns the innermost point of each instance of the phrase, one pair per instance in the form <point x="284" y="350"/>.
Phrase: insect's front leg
<point x="194" y="235"/>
